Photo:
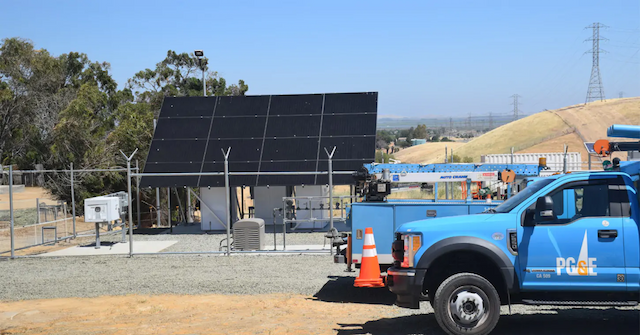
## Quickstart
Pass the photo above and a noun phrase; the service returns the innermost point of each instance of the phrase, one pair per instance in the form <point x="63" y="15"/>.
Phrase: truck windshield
<point x="514" y="201"/>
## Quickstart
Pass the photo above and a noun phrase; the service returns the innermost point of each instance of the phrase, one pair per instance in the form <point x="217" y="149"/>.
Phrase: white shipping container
<point x="555" y="160"/>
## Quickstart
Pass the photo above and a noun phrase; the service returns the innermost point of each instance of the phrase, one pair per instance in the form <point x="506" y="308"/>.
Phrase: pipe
<point x="622" y="130"/>
<point x="195" y="174"/>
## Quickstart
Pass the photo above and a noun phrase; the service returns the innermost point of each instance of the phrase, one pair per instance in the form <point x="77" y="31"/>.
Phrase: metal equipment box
<point x="101" y="209"/>
<point x="248" y="234"/>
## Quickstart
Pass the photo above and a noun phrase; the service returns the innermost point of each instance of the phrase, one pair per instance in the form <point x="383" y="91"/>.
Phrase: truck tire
<point x="466" y="304"/>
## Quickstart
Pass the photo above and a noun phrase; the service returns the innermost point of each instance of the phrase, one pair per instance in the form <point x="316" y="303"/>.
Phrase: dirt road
<point x="275" y="314"/>
<point x="171" y="314"/>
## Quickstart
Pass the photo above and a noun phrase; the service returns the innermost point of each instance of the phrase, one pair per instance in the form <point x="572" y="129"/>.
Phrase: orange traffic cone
<point x="369" y="267"/>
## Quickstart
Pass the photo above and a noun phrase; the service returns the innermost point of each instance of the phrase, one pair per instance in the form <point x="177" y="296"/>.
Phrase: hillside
<point x="428" y="152"/>
<point x="542" y="132"/>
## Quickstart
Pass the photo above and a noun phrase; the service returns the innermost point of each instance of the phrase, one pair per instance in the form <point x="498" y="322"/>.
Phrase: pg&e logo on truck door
<point x="585" y="266"/>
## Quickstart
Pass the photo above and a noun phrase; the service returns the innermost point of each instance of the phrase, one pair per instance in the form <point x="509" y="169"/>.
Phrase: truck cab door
<point x="580" y="247"/>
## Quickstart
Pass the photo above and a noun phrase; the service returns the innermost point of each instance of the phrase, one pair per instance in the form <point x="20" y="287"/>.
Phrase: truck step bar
<point x="580" y="303"/>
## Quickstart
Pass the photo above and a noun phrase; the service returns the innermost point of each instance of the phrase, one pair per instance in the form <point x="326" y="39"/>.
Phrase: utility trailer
<point x="374" y="182"/>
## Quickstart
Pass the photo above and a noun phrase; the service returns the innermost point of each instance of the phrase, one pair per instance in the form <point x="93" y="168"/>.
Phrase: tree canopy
<point x="58" y="110"/>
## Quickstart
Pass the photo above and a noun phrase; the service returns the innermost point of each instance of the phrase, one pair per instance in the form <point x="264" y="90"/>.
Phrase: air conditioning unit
<point x="248" y="234"/>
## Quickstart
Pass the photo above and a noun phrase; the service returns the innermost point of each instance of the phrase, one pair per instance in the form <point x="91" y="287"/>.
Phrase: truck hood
<point x="461" y="225"/>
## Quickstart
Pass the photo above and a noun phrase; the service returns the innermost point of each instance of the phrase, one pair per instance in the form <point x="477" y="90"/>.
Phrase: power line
<point x="596" y="90"/>
<point x="515" y="104"/>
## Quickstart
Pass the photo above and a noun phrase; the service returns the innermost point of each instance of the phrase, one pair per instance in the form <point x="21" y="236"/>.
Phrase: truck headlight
<point x="412" y="243"/>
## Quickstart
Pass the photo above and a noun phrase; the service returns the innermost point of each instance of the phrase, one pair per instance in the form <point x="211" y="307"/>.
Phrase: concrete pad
<point x="292" y="249"/>
<point x="300" y="247"/>
<point x="115" y="249"/>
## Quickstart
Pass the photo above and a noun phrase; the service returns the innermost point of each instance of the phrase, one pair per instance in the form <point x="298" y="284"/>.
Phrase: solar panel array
<point x="266" y="133"/>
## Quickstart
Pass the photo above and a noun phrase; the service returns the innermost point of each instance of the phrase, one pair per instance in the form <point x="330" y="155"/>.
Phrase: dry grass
<point x="542" y="132"/>
<point x="430" y="152"/>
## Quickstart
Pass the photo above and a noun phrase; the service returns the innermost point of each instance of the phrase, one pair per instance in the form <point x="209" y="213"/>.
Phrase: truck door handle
<point x="607" y="233"/>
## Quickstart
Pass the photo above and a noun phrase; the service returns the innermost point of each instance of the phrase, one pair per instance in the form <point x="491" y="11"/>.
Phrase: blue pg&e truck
<point x="569" y="239"/>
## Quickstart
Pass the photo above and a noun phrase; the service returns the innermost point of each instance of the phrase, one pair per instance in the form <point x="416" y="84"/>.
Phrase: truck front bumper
<point x="406" y="284"/>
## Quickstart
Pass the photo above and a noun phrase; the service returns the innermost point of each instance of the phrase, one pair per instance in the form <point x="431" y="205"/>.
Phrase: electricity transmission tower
<point x="515" y="104"/>
<point x="595" y="91"/>
<point x="490" y="121"/>
<point x="621" y="94"/>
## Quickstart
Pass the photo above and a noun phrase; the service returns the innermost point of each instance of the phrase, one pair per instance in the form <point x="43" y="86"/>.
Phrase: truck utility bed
<point x="386" y="217"/>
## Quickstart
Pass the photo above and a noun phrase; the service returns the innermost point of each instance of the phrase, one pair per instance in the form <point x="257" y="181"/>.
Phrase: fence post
<point x="11" y="211"/>
<point x="228" y="197"/>
<point x="332" y="233"/>
<point x="129" y="200"/>
<point x="73" y="204"/>
<point x="138" y="193"/>
<point x="564" y="159"/>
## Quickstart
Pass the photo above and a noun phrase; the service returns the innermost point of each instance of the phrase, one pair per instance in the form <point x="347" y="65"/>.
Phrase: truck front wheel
<point x="466" y="304"/>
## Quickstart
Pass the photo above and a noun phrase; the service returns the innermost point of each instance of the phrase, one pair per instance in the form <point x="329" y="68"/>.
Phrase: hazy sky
<point x="425" y="58"/>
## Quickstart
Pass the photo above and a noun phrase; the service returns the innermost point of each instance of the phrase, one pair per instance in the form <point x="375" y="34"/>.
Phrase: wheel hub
<point x="467" y="307"/>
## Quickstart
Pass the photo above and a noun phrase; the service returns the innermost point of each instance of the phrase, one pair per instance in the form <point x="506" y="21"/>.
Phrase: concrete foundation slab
<point x="114" y="249"/>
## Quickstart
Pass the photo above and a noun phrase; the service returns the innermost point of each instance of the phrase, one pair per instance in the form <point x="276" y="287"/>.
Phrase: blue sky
<point x="425" y="58"/>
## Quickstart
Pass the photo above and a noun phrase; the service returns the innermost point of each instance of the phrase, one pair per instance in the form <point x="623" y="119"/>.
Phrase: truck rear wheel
<point x="466" y="304"/>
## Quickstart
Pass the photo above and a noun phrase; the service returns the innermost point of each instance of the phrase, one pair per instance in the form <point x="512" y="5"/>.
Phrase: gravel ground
<point x="113" y="275"/>
<point x="312" y="275"/>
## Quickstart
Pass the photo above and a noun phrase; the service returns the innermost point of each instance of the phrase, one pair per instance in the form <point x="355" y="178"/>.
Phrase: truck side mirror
<point x="544" y="209"/>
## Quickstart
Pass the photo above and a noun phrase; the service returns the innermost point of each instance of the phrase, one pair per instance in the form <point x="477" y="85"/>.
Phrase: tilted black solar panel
<point x="277" y="133"/>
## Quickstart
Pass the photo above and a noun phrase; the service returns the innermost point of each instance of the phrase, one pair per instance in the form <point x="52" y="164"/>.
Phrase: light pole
<point x="199" y="54"/>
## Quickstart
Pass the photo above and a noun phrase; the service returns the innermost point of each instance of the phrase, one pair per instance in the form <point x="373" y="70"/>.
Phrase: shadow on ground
<point x="102" y="244"/>
<point x="150" y="231"/>
<point x="573" y="321"/>
<point x="341" y="289"/>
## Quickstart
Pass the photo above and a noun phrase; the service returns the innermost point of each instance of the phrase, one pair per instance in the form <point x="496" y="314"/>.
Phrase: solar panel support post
<point x="129" y="200"/>
<point x="228" y="197"/>
<point x="158" y="206"/>
<point x="332" y="233"/>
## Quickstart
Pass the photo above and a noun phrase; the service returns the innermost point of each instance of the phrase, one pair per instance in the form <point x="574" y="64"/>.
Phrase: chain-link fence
<point x="46" y="207"/>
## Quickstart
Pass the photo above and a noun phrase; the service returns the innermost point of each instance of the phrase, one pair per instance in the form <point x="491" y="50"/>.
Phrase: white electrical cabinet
<point x="101" y="209"/>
